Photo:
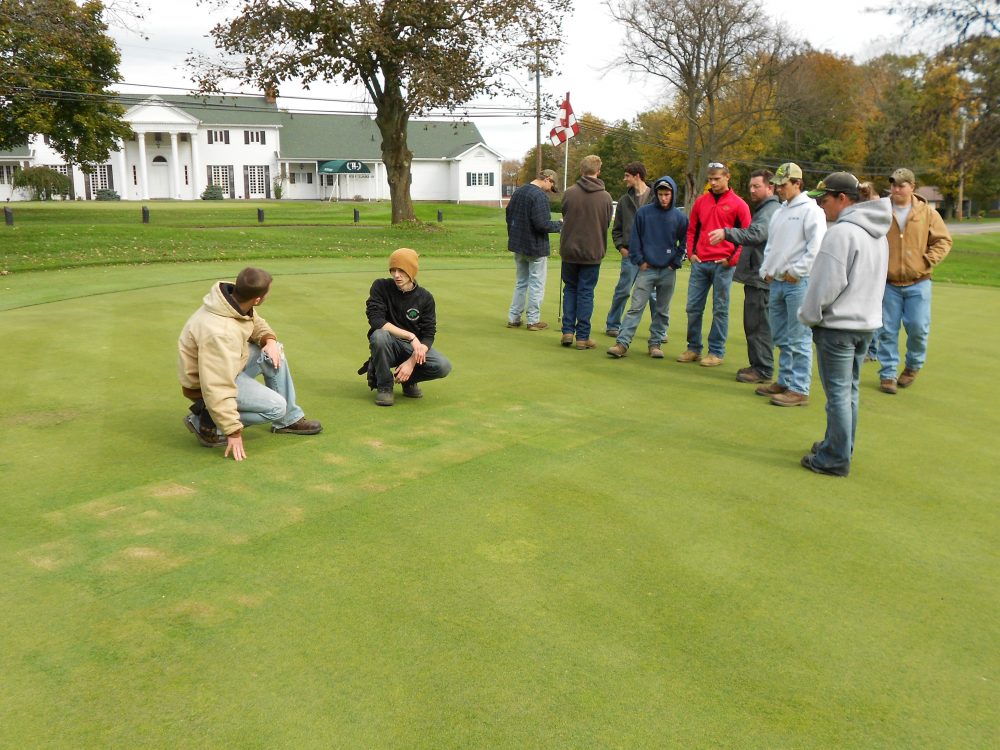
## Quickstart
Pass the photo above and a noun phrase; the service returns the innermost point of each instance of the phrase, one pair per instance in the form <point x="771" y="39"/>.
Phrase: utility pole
<point x="538" y="108"/>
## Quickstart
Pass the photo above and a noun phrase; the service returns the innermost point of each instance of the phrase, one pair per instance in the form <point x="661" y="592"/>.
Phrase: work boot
<point x="302" y="427"/>
<point x="585" y="343"/>
<point x="750" y="375"/>
<point x="888" y="385"/>
<point x="655" y="351"/>
<point x="384" y="397"/>
<point x="771" y="389"/>
<point x="207" y="436"/>
<point x="689" y="356"/>
<point x="618" y="351"/>
<point x="907" y="377"/>
<point x="412" y="390"/>
<point x="567" y="339"/>
<point x="539" y="326"/>
<point x="711" y="360"/>
<point x="790" y="398"/>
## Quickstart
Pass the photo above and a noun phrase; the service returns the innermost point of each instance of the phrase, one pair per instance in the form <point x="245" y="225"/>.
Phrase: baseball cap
<point x="838" y="182"/>
<point x="787" y="171"/>
<point x="903" y="175"/>
<point x="550" y="174"/>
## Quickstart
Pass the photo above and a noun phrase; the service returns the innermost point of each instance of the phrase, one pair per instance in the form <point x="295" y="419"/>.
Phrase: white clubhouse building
<point x="246" y="145"/>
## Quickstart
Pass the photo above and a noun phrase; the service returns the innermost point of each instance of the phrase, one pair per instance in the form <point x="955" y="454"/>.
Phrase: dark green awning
<point x="343" y="166"/>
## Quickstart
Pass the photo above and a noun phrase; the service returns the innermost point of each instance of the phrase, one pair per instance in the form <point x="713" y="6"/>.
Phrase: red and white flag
<point x="566" y="126"/>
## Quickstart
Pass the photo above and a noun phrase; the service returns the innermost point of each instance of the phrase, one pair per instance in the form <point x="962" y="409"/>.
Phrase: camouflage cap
<point x="903" y="175"/>
<point x="787" y="171"/>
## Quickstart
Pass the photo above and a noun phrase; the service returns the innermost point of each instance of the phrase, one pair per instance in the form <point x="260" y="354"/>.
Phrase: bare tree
<point x="963" y="18"/>
<point x="720" y="59"/>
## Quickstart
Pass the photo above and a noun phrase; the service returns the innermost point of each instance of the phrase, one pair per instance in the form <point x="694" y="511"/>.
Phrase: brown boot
<point x="907" y="377"/>
<point x="618" y="351"/>
<point x="790" y="398"/>
<point x="888" y="386"/>
<point x="771" y="389"/>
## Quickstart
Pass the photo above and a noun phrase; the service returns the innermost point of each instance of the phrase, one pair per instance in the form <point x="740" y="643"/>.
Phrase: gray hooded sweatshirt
<point x="848" y="276"/>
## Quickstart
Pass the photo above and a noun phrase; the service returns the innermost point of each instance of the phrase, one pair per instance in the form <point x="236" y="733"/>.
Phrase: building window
<point x="185" y="174"/>
<point x="159" y="160"/>
<point x="479" y="178"/>
<point x="135" y="179"/>
<point x="7" y="172"/>
<point x="256" y="179"/>
<point x="220" y="177"/>
<point x="99" y="180"/>
<point x="218" y="136"/>
<point x="254" y="136"/>
<point x="291" y="178"/>
<point x="309" y="178"/>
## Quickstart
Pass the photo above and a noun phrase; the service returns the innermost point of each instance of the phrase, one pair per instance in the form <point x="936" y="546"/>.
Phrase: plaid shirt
<point x="529" y="221"/>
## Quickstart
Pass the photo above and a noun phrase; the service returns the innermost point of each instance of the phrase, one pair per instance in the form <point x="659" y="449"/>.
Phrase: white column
<point x="123" y="175"/>
<point x="175" y="172"/>
<point x="195" y="166"/>
<point x="143" y="172"/>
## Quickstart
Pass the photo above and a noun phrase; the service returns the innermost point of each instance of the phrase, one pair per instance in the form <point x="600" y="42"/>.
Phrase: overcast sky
<point x="178" y="26"/>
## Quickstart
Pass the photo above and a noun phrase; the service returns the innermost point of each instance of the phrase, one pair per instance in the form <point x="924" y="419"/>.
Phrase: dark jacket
<point x="659" y="234"/>
<point x="412" y="311"/>
<point x="586" y="216"/>
<point x="529" y="221"/>
<point x="753" y="239"/>
<point x="628" y="204"/>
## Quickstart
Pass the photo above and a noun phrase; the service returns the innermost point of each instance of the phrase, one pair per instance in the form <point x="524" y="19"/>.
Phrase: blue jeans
<point x="270" y="401"/>
<point x="529" y="287"/>
<point x="658" y="281"/>
<point x="387" y="352"/>
<point x="793" y="339"/>
<point x="911" y="306"/>
<point x="840" y="355"/>
<point x="619" y="299"/>
<point x="578" y="297"/>
<point x="719" y="278"/>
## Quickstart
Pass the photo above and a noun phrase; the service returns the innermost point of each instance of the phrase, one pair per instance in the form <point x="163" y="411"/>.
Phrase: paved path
<point x="973" y="227"/>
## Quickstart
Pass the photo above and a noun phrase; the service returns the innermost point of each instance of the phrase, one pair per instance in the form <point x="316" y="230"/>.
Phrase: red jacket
<point x="729" y="211"/>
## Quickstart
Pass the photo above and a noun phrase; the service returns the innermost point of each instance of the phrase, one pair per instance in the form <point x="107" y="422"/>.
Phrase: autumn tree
<point x="411" y="56"/>
<point x="56" y="64"/>
<point x="718" y="57"/>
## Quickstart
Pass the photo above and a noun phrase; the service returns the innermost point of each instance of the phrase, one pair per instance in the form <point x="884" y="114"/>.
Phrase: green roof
<point x="217" y="110"/>
<point x="16" y="152"/>
<point x="319" y="137"/>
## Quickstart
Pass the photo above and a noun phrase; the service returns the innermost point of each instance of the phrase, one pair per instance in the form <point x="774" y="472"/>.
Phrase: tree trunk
<point x="392" y="119"/>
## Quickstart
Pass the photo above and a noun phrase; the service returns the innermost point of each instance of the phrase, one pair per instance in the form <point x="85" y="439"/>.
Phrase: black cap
<point x="838" y="182"/>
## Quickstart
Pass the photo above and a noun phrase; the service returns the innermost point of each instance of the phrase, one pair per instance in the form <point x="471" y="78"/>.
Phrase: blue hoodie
<point x="659" y="235"/>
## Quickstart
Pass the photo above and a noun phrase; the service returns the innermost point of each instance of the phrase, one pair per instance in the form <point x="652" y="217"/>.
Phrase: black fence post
<point x="145" y="214"/>
<point x="440" y="216"/>
<point x="8" y="216"/>
<point x="357" y="216"/>
<point x="260" y="215"/>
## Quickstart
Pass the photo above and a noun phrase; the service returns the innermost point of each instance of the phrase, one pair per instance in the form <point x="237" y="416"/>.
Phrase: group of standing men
<point x="863" y="285"/>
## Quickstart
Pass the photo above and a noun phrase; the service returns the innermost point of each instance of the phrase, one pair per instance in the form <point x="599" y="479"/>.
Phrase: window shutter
<point x="232" y="180"/>
<point x="211" y="137"/>
<point x="246" y="181"/>
<point x="267" y="181"/>
<point x="111" y="177"/>
<point x="492" y="184"/>
<point x="209" y="182"/>
<point x="246" y="137"/>
<point x="468" y="179"/>
<point x="225" y="135"/>
<point x="86" y="186"/>
<point x="309" y="178"/>
<point x="263" y="140"/>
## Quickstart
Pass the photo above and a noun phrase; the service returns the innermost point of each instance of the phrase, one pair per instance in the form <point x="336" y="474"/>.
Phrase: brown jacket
<point x="922" y="244"/>
<point x="587" y="209"/>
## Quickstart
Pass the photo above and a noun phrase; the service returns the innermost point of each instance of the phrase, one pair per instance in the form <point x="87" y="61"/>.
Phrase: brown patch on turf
<point x="295" y="514"/>
<point x="326" y="489"/>
<point x="238" y="539"/>
<point x="149" y="558"/>
<point x="101" y="508"/>
<point x="376" y="443"/>
<point x="251" y="601"/>
<point x="335" y="460"/>
<point x="373" y="487"/>
<point x="51" y="556"/>
<point x="44" y="418"/>
<point x="509" y="553"/>
<point x="171" y="490"/>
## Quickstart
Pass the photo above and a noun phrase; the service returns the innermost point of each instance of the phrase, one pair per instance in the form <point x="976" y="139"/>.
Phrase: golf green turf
<point x="550" y="549"/>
